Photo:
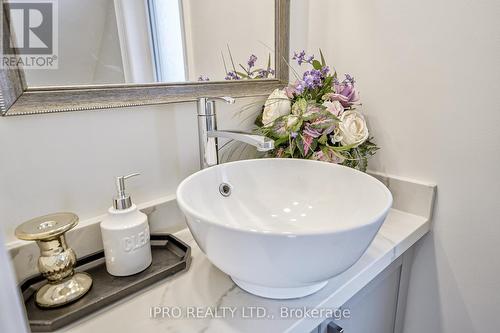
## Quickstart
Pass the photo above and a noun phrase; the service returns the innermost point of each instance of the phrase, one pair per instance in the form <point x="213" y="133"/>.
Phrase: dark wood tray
<point x="170" y="256"/>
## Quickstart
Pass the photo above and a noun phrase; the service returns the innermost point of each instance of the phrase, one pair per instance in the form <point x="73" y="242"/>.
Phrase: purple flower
<point x="251" y="61"/>
<point x="349" y="79"/>
<point x="309" y="80"/>
<point x="264" y="73"/>
<point x="299" y="86"/>
<point x="232" y="76"/>
<point x="345" y="92"/>
<point x="203" y="78"/>
<point x="294" y="134"/>
<point x="313" y="78"/>
<point x="301" y="57"/>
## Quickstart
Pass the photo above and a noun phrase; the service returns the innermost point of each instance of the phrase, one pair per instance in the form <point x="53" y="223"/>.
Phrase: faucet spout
<point x="208" y="133"/>
<point x="261" y="142"/>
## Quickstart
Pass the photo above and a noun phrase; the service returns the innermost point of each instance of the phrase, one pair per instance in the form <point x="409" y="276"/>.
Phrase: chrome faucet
<point x="208" y="133"/>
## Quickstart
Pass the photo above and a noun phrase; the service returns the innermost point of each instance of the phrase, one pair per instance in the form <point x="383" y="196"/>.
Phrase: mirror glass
<point x="146" y="41"/>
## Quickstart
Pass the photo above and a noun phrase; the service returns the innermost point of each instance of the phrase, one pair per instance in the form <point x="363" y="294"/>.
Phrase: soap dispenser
<point x="125" y="235"/>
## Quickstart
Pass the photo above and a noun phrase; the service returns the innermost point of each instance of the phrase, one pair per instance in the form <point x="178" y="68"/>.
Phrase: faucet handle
<point x="206" y="105"/>
<point x="227" y="99"/>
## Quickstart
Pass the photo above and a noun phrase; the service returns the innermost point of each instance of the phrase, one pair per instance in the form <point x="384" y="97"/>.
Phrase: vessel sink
<point x="282" y="227"/>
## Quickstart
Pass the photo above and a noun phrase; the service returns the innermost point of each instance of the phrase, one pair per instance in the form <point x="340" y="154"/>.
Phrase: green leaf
<point x="316" y="64"/>
<point x="342" y="148"/>
<point x="323" y="139"/>
<point x="224" y="62"/>
<point x="323" y="62"/>
<point x="279" y="130"/>
<point x="293" y="123"/>
<point x="244" y="69"/>
<point x="292" y="146"/>
<point x="258" y="121"/>
<point x="314" y="144"/>
<point x="269" y="61"/>
<point x="300" y="144"/>
<point x="299" y="107"/>
<point x="327" y="87"/>
<point x="242" y="74"/>
<point x="298" y="126"/>
<point x="231" y="57"/>
<point x="280" y="141"/>
<point x="323" y="122"/>
<point x="312" y="113"/>
<point x="338" y="154"/>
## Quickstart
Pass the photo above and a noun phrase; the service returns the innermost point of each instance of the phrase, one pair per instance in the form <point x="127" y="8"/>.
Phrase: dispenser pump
<point x="122" y="200"/>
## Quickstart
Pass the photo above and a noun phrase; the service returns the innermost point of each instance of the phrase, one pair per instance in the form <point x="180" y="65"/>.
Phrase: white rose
<point x="352" y="129"/>
<point x="277" y="105"/>
<point x="334" y="107"/>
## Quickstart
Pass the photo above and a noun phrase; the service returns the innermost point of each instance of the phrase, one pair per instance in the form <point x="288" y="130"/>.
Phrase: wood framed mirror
<point x="28" y="90"/>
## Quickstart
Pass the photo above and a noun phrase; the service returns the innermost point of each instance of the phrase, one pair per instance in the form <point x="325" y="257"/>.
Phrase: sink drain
<point x="225" y="189"/>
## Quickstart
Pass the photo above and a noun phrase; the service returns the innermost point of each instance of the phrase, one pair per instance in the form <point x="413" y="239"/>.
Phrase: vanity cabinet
<point x="379" y="307"/>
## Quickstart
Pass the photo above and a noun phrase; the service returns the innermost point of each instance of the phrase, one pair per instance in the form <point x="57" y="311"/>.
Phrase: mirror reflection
<point x="148" y="41"/>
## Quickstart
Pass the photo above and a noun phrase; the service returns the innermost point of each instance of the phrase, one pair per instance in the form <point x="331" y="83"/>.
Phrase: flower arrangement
<point x="316" y="118"/>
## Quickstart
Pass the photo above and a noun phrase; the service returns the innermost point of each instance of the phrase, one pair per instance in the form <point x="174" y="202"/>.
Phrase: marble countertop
<point x="206" y="300"/>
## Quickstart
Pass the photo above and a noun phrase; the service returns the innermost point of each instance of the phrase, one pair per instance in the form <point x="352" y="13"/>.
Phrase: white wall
<point x="429" y="75"/>
<point x="68" y="161"/>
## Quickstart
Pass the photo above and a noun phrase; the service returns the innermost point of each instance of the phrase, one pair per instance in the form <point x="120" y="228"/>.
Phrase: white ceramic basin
<point x="287" y="226"/>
